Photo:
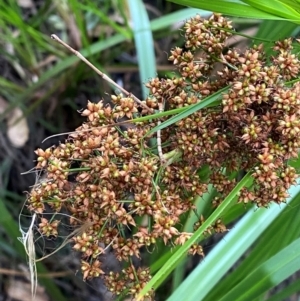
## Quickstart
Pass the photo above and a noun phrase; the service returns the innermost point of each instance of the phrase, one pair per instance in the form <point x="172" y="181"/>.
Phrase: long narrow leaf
<point x="175" y="17"/>
<point x="143" y="42"/>
<point x="229" y="7"/>
<point x="275" y="7"/>
<point x="169" y="266"/>
<point x="274" y="30"/>
<point x="279" y="234"/>
<point x="268" y="275"/>
<point x="202" y="204"/>
<point x="190" y="110"/>
<point x="286" y="291"/>
<point x="228" y="251"/>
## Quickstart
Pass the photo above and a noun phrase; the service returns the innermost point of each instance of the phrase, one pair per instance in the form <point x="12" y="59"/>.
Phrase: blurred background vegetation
<point x="43" y="86"/>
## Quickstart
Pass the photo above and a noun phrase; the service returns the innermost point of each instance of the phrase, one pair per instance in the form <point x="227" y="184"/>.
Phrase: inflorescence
<point x="119" y="175"/>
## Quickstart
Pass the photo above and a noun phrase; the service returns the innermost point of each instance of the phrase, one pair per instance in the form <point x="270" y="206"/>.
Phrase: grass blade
<point x="231" y="8"/>
<point x="268" y="275"/>
<point x="169" y="266"/>
<point x="228" y="251"/>
<point x="214" y="98"/>
<point x="143" y="42"/>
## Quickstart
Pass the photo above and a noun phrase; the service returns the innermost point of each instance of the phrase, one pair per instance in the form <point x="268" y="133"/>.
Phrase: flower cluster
<point x="256" y="127"/>
<point x="106" y="174"/>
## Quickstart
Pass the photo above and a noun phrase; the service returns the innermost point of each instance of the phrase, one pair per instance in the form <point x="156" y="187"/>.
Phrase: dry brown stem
<point x="103" y="75"/>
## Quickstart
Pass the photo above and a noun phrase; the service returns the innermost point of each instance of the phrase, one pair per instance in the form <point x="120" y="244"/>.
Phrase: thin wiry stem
<point x="68" y="239"/>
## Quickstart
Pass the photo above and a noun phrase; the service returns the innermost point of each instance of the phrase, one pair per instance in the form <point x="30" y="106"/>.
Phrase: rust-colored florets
<point x="108" y="175"/>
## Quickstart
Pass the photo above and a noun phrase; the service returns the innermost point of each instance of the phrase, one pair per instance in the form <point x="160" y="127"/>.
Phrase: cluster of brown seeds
<point x="119" y="175"/>
<point x="257" y="125"/>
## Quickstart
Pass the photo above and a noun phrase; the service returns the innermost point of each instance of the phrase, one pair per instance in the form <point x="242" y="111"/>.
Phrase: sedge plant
<point x="130" y="173"/>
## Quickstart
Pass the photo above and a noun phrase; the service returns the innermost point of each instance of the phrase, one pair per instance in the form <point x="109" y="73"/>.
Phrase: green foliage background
<point x="263" y="247"/>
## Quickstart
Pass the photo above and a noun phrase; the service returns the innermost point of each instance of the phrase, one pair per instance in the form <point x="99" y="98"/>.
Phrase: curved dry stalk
<point x="27" y="240"/>
<point x="103" y="75"/>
